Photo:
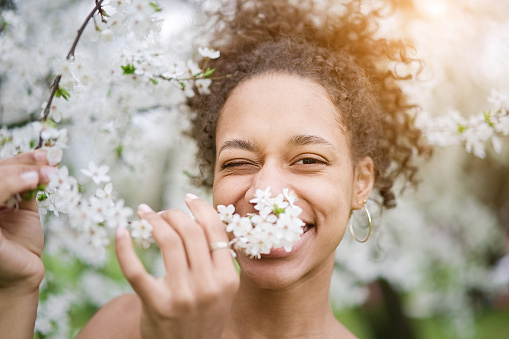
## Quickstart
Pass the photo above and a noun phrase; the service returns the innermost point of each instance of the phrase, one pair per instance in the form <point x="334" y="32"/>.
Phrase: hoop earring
<point x="369" y="221"/>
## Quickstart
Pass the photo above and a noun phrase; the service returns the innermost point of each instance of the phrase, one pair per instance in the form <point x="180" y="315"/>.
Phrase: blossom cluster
<point x="277" y="223"/>
<point x="153" y="65"/>
<point x="99" y="100"/>
<point x="473" y="133"/>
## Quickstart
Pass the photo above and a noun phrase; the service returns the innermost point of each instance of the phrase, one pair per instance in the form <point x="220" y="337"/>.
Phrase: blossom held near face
<point x="277" y="223"/>
<point x="261" y="198"/>
<point x="226" y="212"/>
<point x="98" y="174"/>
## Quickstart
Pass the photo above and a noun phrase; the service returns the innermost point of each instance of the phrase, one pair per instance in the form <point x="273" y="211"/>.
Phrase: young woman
<point x="302" y="100"/>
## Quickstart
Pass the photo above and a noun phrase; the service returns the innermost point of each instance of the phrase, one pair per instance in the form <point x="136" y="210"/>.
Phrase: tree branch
<point x="70" y="55"/>
<point x="52" y="95"/>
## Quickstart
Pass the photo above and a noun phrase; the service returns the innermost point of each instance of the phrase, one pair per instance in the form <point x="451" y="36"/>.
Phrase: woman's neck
<point x="301" y="310"/>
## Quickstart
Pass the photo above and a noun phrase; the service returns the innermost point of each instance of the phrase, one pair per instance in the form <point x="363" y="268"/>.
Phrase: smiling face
<point x="281" y="130"/>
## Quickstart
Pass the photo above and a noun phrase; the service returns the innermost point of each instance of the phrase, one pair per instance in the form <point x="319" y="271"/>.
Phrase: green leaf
<point x="64" y="93"/>
<point x="128" y="69"/>
<point x="119" y="150"/>
<point x="4" y="25"/>
<point x="278" y="211"/>
<point x="487" y="118"/>
<point x="42" y="196"/>
<point x="33" y="143"/>
<point x="209" y="72"/>
<point x="33" y="193"/>
<point x="154" y="81"/>
<point x="155" y="6"/>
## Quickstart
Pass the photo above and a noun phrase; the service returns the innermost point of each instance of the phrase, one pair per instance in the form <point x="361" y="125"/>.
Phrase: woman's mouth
<point x="307" y="227"/>
<point x="281" y="252"/>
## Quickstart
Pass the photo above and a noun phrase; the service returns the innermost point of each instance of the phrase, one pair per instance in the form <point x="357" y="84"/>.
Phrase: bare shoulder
<point x="120" y="318"/>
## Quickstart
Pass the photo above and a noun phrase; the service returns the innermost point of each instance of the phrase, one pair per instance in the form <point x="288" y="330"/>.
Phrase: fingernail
<point x="144" y="208"/>
<point x="120" y="232"/>
<point x="191" y="196"/>
<point x="40" y="155"/>
<point x="30" y="178"/>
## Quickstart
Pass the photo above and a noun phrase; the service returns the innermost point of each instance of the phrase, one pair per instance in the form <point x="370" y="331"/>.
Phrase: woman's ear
<point x="364" y="179"/>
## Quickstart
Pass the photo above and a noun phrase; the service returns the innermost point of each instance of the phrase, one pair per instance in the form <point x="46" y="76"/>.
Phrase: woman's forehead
<point x="282" y="96"/>
<point x="280" y="108"/>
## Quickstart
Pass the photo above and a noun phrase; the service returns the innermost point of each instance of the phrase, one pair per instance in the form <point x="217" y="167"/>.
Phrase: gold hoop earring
<point x="369" y="221"/>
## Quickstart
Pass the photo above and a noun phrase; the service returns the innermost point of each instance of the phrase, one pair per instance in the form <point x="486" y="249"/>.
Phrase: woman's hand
<point x="21" y="244"/>
<point x="21" y="236"/>
<point x="193" y="300"/>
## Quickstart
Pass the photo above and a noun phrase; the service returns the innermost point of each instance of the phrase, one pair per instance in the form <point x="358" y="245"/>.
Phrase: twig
<point x="52" y="95"/>
<point x="98" y="3"/>
<point x="160" y="76"/>
<point x="70" y="56"/>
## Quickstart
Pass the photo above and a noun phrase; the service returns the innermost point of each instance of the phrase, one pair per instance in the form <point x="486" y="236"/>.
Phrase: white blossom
<point x="276" y="225"/>
<point x="226" y="212"/>
<point x="97" y="174"/>
<point x="208" y="53"/>
<point x="474" y="133"/>
<point x="119" y="216"/>
<point x="141" y="231"/>
<point x="203" y="86"/>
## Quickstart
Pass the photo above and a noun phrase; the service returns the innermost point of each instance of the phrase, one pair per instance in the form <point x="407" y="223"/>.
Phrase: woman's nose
<point x="271" y="174"/>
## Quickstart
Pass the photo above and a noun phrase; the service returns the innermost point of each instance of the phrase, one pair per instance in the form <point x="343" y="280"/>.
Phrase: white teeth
<point x="306" y="228"/>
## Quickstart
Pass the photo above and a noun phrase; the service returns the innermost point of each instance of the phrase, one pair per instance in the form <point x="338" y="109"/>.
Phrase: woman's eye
<point x="233" y="164"/>
<point x="310" y="161"/>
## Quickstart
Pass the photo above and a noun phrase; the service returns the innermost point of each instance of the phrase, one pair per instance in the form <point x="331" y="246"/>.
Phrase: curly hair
<point x="342" y="53"/>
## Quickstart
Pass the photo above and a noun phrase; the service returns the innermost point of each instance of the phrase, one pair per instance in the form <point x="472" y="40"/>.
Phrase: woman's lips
<point x="309" y="230"/>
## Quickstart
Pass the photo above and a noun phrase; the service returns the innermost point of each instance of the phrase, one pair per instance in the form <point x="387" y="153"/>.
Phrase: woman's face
<point x="282" y="131"/>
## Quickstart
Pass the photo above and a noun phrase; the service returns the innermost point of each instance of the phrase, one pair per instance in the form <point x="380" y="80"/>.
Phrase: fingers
<point x="131" y="265"/>
<point x="38" y="157"/>
<point x="23" y="172"/>
<point x="169" y="241"/>
<point x="213" y="227"/>
<point x="192" y="235"/>
<point x="17" y="177"/>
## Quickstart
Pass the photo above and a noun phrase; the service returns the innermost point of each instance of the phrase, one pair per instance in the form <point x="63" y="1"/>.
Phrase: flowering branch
<point x="70" y="56"/>
<point x="98" y="4"/>
<point x="55" y="86"/>
<point x="277" y="223"/>
<point x="474" y="133"/>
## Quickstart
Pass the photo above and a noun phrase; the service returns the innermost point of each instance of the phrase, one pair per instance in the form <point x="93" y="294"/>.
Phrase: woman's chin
<point x="279" y="268"/>
<point x="272" y="278"/>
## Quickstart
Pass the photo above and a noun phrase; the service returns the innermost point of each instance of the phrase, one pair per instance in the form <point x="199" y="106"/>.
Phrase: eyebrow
<point x="238" y="144"/>
<point x="297" y="140"/>
<point x="304" y="139"/>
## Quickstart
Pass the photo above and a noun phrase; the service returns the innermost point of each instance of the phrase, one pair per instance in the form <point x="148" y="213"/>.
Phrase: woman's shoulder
<point x="119" y="318"/>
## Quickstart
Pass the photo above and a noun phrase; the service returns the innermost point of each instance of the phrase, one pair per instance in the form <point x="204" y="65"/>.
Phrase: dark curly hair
<point x="342" y="53"/>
